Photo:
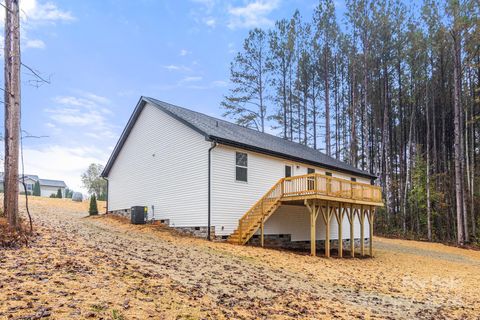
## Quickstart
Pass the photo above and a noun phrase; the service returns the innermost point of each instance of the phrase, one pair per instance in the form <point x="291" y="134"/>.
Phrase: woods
<point x="391" y="89"/>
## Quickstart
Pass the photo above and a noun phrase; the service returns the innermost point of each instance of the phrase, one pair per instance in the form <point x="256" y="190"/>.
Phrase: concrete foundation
<point x="284" y="241"/>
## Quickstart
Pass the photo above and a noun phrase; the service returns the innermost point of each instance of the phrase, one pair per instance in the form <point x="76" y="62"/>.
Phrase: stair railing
<point x="259" y="209"/>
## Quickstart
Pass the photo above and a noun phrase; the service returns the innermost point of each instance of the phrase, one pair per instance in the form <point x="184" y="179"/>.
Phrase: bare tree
<point x="12" y="110"/>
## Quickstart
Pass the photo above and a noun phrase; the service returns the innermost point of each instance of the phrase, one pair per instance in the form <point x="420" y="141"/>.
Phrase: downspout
<point x="214" y="144"/>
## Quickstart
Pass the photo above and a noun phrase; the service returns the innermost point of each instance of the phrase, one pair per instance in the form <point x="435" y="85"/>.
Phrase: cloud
<point x="231" y="48"/>
<point x="35" y="43"/>
<point x="219" y="83"/>
<point x="191" y="79"/>
<point x="210" y="22"/>
<point x="173" y="67"/>
<point x="35" y="12"/>
<point x="184" y="52"/>
<point x="253" y="14"/>
<point x="63" y="163"/>
<point x="203" y="13"/>
<point x="87" y="111"/>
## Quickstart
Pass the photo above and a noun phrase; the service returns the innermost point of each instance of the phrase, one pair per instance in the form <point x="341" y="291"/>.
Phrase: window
<point x="241" y="164"/>
<point x="328" y="174"/>
<point x="288" y="171"/>
<point x="310" y="180"/>
<point x="29" y="187"/>
<point x="353" y="179"/>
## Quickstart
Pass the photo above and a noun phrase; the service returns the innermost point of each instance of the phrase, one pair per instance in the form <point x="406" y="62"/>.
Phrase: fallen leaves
<point x="105" y="268"/>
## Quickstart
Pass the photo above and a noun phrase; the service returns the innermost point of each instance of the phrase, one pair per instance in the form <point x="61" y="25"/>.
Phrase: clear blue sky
<point x="101" y="56"/>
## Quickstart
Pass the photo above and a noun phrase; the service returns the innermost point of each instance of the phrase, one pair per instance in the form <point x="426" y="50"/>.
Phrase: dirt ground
<point x="103" y="268"/>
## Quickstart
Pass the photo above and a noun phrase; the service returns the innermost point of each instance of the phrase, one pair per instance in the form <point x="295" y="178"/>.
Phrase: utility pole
<point x="12" y="110"/>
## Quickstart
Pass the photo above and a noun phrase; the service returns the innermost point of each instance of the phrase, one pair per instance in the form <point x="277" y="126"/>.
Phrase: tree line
<point x="392" y="90"/>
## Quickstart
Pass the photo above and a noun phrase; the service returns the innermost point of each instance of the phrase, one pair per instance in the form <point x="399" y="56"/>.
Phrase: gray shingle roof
<point x="225" y="132"/>
<point x="27" y="176"/>
<point x="52" y="183"/>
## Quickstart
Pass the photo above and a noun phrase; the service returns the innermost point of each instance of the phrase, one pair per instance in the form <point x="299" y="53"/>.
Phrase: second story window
<point x="288" y="171"/>
<point x="353" y="179"/>
<point x="328" y="174"/>
<point x="241" y="166"/>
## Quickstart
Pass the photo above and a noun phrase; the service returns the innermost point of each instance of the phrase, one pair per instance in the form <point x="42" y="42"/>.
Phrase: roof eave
<point x="121" y="140"/>
<point x="288" y="157"/>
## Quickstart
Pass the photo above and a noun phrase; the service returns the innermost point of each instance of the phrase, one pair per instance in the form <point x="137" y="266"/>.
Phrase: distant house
<point x="47" y="186"/>
<point x="210" y="177"/>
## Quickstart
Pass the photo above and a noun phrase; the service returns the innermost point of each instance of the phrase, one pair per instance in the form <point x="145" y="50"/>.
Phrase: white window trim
<point x="292" y="166"/>
<point x="236" y="165"/>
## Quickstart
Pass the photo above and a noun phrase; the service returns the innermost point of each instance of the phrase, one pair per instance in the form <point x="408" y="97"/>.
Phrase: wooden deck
<point x="330" y="196"/>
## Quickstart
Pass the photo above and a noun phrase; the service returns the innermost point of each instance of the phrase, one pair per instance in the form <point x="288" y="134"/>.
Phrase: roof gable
<point x="228" y="133"/>
<point x="52" y="183"/>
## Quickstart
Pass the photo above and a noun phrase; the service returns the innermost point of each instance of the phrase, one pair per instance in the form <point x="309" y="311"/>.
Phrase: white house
<point x="212" y="177"/>
<point x="47" y="186"/>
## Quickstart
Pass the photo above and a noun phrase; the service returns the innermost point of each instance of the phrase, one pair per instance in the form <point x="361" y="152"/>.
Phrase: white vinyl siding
<point x="295" y="220"/>
<point x="47" y="191"/>
<point x="231" y="200"/>
<point x="163" y="164"/>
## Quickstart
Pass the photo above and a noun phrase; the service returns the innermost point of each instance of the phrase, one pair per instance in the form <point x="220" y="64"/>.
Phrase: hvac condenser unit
<point x="139" y="215"/>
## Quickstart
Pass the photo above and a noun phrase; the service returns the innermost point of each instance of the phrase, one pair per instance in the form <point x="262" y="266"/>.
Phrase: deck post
<point x="313" y="208"/>
<point x="339" y="217"/>
<point x="327" y="216"/>
<point x="261" y="233"/>
<point x="351" y="220"/>
<point x="370" y="220"/>
<point x="361" y="217"/>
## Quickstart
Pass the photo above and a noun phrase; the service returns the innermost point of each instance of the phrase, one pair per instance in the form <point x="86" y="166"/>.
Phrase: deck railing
<point x="319" y="184"/>
<point x="302" y="187"/>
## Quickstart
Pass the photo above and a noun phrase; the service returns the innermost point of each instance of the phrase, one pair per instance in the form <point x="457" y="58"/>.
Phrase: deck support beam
<point x="339" y="216"/>
<point x="314" y="209"/>
<point x="361" y="218"/>
<point x="371" y="217"/>
<point x="262" y="232"/>
<point x="327" y="216"/>
<point x="351" y="220"/>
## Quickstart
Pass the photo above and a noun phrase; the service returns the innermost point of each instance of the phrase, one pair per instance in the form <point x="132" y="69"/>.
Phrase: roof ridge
<point x="240" y="126"/>
<point x="236" y="135"/>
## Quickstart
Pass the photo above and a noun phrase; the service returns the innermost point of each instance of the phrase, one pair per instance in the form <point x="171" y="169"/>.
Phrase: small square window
<point x="353" y="179"/>
<point x="241" y="174"/>
<point x="328" y="174"/>
<point x="310" y="170"/>
<point x="242" y="159"/>
<point x="288" y="171"/>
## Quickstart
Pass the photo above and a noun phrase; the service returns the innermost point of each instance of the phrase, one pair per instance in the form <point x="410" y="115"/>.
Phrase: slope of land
<point x="102" y="267"/>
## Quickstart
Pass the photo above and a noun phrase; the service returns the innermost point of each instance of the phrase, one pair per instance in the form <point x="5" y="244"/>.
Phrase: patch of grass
<point x="98" y="307"/>
<point x="117" y="315"/>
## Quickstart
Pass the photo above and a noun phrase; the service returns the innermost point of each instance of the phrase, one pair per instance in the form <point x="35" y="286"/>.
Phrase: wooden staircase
<point x="301" y="188"/>
<point x="257" y="215"/>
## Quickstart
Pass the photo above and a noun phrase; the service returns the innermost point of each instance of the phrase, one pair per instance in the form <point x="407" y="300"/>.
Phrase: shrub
<point x="36" y="189"/>
<point x="93" y="210"/>
<point x="53" y="195"/>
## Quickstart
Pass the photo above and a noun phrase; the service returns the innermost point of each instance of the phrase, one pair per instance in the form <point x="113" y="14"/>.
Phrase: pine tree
<point x="59" y="194"/>
<point x="403" y="92"/>
<point x="249" y="72"/>
<point x="93" y="210"/>
<point x="36" y="189"/>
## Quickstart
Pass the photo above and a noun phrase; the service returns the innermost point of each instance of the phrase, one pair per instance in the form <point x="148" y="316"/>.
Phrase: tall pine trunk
<point x="458" y="139"/>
